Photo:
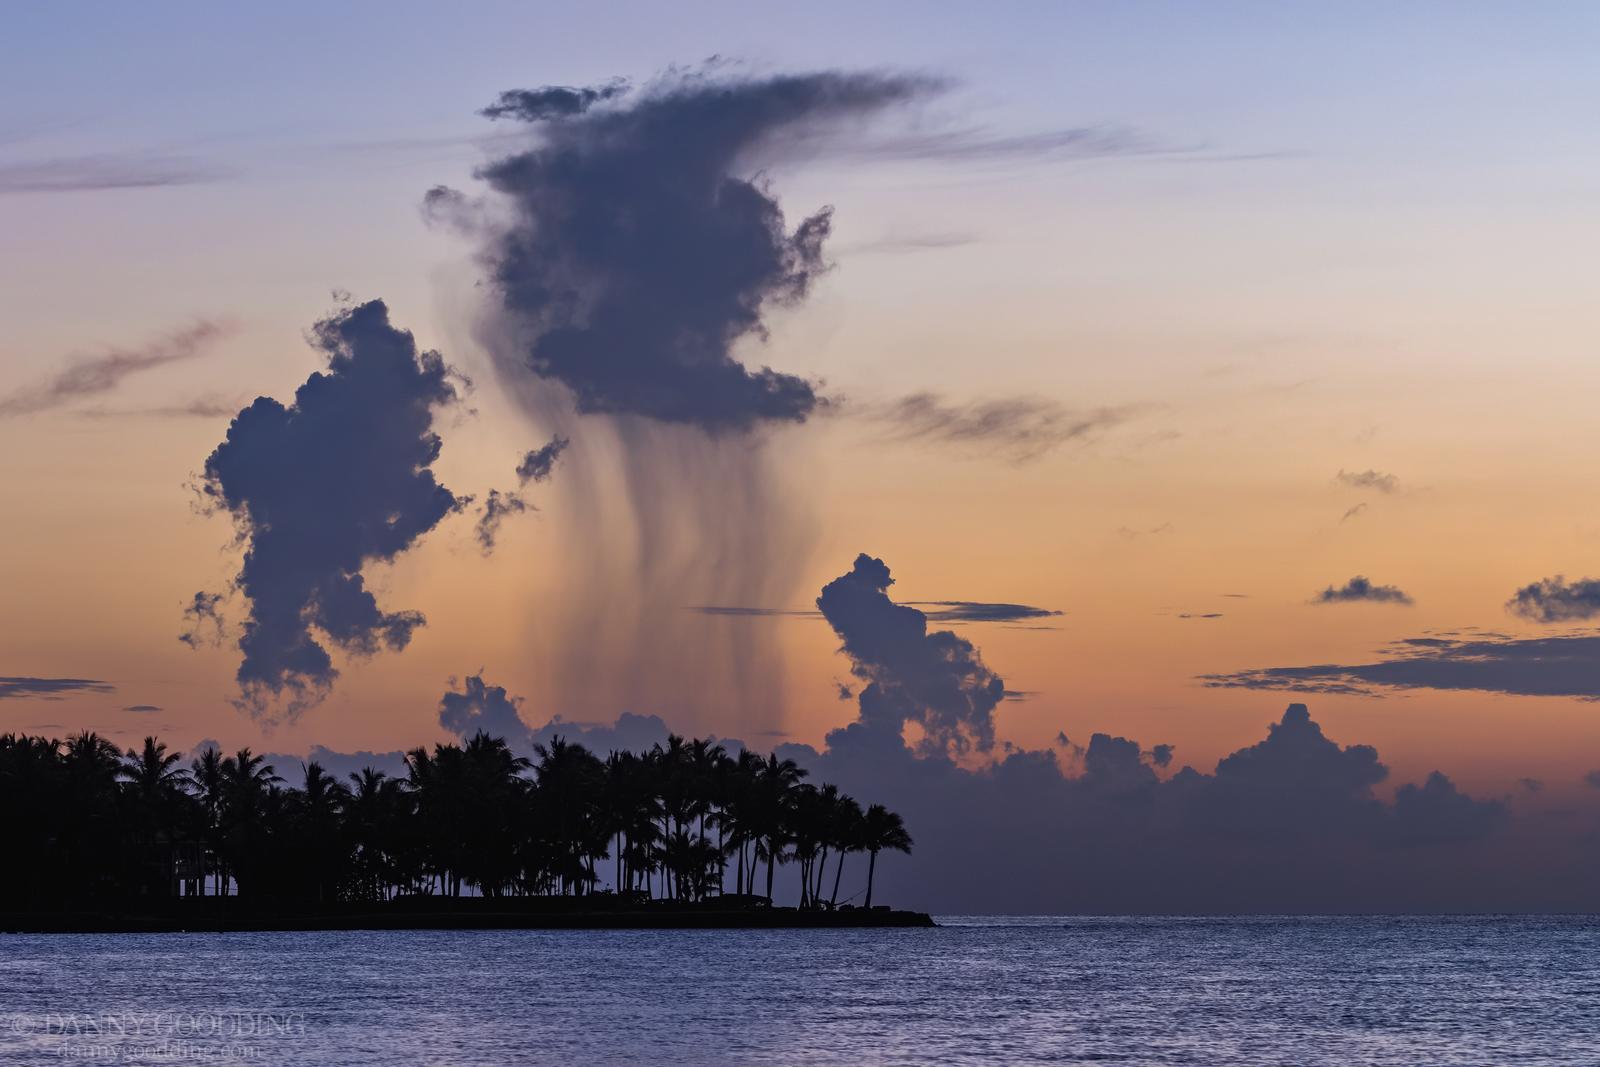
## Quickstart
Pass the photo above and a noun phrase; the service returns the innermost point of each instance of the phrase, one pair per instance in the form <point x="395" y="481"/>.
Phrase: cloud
<point x="936" y="680"/>
<point x="539" y="462"/>
<point x="1353" y="512"/>
<point x="200" y="407"/>
<point x="1566" y="666"/>
<point x="1369" y="479"/>
<point x="95" y="173"/>
<point x="97" y="375"/>
<point x="1359" y="589"/>
<point x="640" y="248"/>
<point x="1557" y="600"/>
<point x="978" y="611"/>
<point x="204" y="619"/>
<point x="1292" y="823"/>
<point x="1592" y="779"/>
<point x="496" y="506"/>
<point x="339" y="765"/>
<point x="14" y="688"/>
<point x="1015" y="428"/>
<point x="1200" y="615"/>
<point x="941" y="611"/>
<point x="896" y="242"/>
<point x="480" y="706"/>
<point x="340" y="478"/>
<point x="142" y="709"/>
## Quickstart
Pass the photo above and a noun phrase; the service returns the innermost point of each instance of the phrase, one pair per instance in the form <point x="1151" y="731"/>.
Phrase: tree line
<point x="686" y="821"/>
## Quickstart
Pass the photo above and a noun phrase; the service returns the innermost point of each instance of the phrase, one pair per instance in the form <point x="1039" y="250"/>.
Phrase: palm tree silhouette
<point x="881" y="829"/>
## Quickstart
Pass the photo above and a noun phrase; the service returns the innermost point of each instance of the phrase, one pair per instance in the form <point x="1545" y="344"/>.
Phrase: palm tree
<point x="845" y="831"/>
<point x="881" y="829"/>
<point x="775" y="784"/>
<point x="155" y="784"/>
<point x="209" y="778"/>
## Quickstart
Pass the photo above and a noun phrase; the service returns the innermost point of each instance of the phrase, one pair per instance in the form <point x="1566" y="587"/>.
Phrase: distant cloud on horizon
<point x="14" y="687"/>
<point x="1361" y="589"/>
<point x="1564" y="666"/>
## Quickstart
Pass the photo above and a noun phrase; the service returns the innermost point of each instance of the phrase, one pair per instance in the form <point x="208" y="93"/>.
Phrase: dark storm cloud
<point x="203" y="618"/>
<point x="641" y="249"/>
<point x="13" y="688"/>
<point x="936" y="680"/>
<point x="1557" y="600"/>
<point x="1014" y="428"/>
<point x="97" y="375"/>
<point x="1361" y="589"/>
<point x="1293" y="823"/>
<point x="101" y="172"/>
<point x="1369" y="479"/>
<point x="496" y="507"/>
<point x="338" y="479"/>
<point x="480" y="706"/>
<point x="1567" y="666"/>
<point x="539" y="462"/>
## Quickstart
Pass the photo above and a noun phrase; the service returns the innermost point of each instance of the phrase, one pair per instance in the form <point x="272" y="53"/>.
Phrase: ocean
<point x="977" y="990"/>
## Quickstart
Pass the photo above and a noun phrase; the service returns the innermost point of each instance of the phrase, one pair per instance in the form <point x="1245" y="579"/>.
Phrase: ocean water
<point x="1340" y="991"/>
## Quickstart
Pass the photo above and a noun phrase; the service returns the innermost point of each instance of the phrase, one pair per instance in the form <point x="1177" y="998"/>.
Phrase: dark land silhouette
<point x="472" y="836"/>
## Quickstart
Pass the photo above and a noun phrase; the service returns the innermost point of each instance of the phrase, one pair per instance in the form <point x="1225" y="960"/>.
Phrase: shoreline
<point x="457" y="914"/>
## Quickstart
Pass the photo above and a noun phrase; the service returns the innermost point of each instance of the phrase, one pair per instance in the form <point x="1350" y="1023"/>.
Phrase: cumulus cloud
<point x="641" y="250"/>
<point x="936" y="680"/>
<point x="1567" y="666"/>
<point x="13" y="688"/>
<point x="1293" y="823"/>
<point x="1557" y="600"/>
<point x="1015" y="428"/>
<point x="96" y="375"/>
<point x="477" y="705"/>
<point x="340" y="478"/>
<point x="539" y="462"/>
<point x="1369" y="479"/>
<point x="1361" y="589"/>
<point x="480" y="706"/>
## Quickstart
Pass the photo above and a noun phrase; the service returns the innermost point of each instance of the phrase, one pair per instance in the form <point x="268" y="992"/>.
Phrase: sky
<point x="1251" y="345"/>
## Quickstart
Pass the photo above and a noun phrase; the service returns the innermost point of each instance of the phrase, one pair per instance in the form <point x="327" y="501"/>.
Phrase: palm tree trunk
<point x="838" y="872"/>
<point x="872" y="866"/>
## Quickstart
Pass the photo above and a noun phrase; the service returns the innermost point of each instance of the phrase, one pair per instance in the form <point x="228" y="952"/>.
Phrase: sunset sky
<point x="1167" y="318"/>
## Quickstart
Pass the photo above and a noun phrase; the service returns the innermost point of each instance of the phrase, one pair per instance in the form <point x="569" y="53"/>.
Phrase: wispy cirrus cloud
<point x="936" y="611"/>
<point x="1565" y="666"/>
<point x="15" y="687"/>
<point x="1377" y="481"/>
<point x="1019" y="428"/>
<point x="103" y="171"/>
<point x="98" y="375"/>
